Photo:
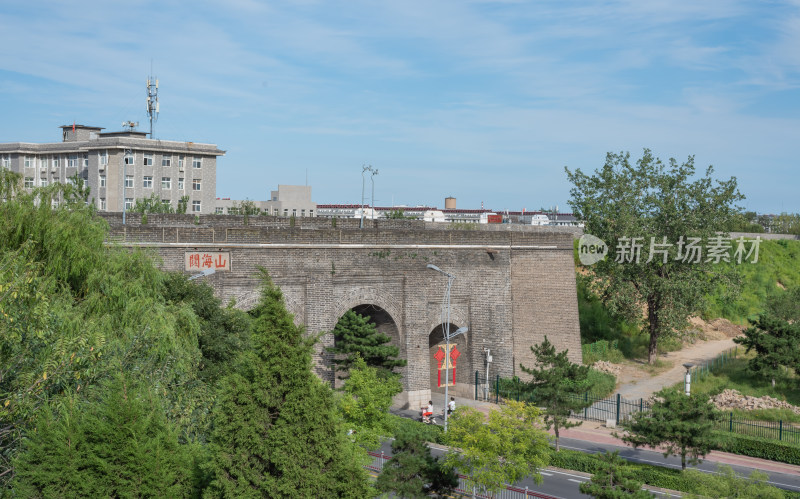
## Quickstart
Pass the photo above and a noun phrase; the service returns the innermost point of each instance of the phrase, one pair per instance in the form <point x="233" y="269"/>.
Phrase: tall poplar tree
<point x="276" y="429"/>
<point x="649" y="205"/>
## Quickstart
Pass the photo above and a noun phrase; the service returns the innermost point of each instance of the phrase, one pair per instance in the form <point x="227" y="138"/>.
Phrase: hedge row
<point x="764" y="448"/>
<point x="431" y="433"/>
<point x="655" y="476"/>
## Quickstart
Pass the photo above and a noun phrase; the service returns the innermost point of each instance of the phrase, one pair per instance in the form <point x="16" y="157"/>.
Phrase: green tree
<point x="365" y="403"/>
<point x="508" y="447"/>
<point x="682" y="424"/>
<point x="626" y="205"/>
<point x="276" y="428"/>
<point x="355" y="336"/>
<point x="776" y="344"/>
<point x="557" y="385"/>
<point x="152" y="204"/>
<point x="118" y="443"/>
<point x="399" y="214"/>
<point x="785" y="305"/>
<point x="412" y="471"/>
<point x="614" y="480"/>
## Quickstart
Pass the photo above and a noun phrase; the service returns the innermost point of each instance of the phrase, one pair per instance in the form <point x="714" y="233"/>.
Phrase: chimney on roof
<point x="450" y="203"/>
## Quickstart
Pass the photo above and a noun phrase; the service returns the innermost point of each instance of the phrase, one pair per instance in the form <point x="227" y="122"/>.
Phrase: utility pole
<point x="372" y="178"/>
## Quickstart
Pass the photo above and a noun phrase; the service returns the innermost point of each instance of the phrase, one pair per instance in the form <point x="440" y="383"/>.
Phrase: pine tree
<point x="683" y="425"/>
<point x="557" y="385"/>
<point x="355" y="336"/>
<point x="413" y="472"/>
<point x="118" y="443"/>
<point x="776" y="344"/>
<point x="276" y="430"/>
<point x="614" y="480"/>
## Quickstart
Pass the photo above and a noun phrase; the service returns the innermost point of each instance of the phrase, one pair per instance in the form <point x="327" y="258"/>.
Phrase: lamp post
<point x="365" y="169"/>
<point x="688" y="379"/>
<point x="446" y="333"/>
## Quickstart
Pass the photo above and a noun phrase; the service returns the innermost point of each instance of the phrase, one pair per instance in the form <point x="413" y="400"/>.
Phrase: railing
<point x="465" y="484"/>
<point x="621" y="409"/>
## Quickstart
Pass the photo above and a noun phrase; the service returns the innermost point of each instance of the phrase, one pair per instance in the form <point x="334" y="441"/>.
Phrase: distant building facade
<point x="287" y="201"/>
<point x="120" y="167"/>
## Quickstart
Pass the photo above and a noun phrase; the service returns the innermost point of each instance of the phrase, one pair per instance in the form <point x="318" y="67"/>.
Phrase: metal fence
<point x="620" y="409"/>
<point x="465" y="485"/>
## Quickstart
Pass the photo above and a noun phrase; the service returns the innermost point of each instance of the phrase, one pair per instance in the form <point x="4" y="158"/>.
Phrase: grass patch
<point x="778" y="261"/>
<point x="603" y="384"/>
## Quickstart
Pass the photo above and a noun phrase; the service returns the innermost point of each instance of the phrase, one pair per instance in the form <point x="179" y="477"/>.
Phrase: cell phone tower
<point x="152" y="101"/>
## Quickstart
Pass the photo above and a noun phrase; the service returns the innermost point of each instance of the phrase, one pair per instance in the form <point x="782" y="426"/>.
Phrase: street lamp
<point x="688" y="379"/>
<point x="446" y="333"/>
<point x="365" y="169"/>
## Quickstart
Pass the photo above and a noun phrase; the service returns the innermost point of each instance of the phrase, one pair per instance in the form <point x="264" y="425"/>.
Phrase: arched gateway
<point x="511" y="288"/>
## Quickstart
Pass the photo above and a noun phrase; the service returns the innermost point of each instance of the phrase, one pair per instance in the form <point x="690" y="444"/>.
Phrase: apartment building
<point x="120" y="167"/>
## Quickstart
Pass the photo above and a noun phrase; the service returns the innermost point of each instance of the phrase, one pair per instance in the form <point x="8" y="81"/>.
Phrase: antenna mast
<point x="152" y="101"/>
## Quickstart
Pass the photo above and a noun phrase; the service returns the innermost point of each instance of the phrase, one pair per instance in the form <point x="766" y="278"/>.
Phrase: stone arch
<point x="366" y="296"/>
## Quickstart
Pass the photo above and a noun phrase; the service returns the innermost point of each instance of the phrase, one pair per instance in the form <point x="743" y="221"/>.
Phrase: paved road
<point x="560" y="484"/>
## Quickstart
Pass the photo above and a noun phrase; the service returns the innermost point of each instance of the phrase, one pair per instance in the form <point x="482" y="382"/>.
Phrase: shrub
<point x="430" y="433"/>
<point x="759" y="447"/>
<point x="603" y="384"/>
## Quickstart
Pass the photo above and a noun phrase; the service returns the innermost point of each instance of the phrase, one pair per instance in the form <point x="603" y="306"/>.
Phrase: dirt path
<point x="634" y="382"/>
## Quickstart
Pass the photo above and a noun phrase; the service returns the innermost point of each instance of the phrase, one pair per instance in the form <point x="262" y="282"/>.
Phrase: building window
<point x="103" y="204"/>
<point x="128" y="203"/>
<point x="147" y="182"/>
<point x="166" y="161"/>
<point x="166" y="183"/>
<point x="196" y="184"/>
<point x="28" y="182"/>
<point x="86" y="160"/>
<point x="28" y="162"/>
<point x="310" y="213"/>
<point x="302" y="213"/>
<point x="129" y="181"/>
<point x="5" y="161"/>
<point x="129" y="158"/>
<point x="148" y="159"/>
<point x="294" y="212"/>
<point x="72" y="160"/>
<point x="102" y="180"/>
<point x="180" y="183"/>
<point x="195" y="206"/>
<point x="103" y="158"/>
<point x="275" y="212"/>
<point x="55" y="179"/>
<point x="165" y="202"/>
<point x="43" y="162"/>
<point x="197" y="162"/>
<point x="180" y="162"/>
<point x="218" y="211"/>
<point x="43" y="182"/>
<point x="286" y="212"/>
<point x="55" y="161"/>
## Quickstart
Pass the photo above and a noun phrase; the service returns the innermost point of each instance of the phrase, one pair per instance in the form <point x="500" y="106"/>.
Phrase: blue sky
<point x="486" y="101"/>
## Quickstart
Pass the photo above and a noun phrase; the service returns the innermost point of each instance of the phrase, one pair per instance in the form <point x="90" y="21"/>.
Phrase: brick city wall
<point x="512" y="287"/>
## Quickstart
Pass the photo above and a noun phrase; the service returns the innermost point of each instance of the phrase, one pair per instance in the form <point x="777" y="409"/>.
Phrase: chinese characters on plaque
<point x="202" y="260"/>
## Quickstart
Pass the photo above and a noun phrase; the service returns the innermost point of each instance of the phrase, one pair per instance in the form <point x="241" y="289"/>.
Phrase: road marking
<point x="573" y="480"/>
<point x="545" y="474"/>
